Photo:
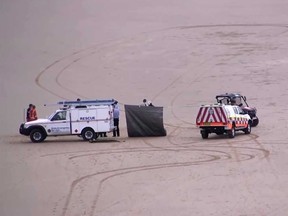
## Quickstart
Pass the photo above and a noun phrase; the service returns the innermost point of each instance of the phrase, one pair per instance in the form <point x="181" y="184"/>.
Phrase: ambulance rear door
<point x="82" y="118"/>
<point x="211" y="115"/>
<point x="104" y="119"/>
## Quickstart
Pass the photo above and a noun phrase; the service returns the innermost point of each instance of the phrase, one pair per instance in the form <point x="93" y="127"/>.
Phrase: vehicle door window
<point x="235" y="110"/>
<point x="241" y="112"/>
<point x="59" y="116"/>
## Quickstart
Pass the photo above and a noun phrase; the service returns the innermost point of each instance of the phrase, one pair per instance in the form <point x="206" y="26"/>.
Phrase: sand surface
<point x="179" y="54"/>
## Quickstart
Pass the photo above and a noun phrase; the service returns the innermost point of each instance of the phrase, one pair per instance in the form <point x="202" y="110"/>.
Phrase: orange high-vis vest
<point x="33" y="114"/>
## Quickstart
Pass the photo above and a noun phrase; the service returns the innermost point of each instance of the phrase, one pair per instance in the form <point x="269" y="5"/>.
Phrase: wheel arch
<point x="40" y="127"/>
<point x="87" y="128"/>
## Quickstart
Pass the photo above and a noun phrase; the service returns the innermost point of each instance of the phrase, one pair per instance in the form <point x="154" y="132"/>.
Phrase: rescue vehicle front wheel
<point x="247" y="130"/>
<point x="88" y="134"/>
<point x="204" y="134"/>
<point x="37" y="135"/>
<point x="231" y="133"/>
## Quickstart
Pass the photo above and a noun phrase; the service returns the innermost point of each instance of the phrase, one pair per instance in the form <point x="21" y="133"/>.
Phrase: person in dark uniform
<point x="146" y="103"/>
<point x="28" y="113"/>
<point x="116" y="115"/>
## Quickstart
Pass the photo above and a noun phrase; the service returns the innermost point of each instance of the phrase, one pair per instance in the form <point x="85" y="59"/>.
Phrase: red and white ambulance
<point x="222" y="119"/>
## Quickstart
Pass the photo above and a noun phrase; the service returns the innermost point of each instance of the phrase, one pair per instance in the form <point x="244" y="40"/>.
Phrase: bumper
<point x="211" y="129"/>
<point x="23" y="131"/>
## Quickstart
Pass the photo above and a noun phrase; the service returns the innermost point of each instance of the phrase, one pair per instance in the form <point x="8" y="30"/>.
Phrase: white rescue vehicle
<point x="222" y="119"/>
<point x="83" y="118"/>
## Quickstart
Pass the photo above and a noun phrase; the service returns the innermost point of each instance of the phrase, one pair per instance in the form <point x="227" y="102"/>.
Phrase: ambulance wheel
<point x="37" y="135"/>
<point x="247" y="130"/>
<point x="231" y="133"/>
<point x="204" y="134"/>
<point x="88" y="134"/>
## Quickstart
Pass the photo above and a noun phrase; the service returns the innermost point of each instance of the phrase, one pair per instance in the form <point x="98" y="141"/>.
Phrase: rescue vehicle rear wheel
<point x="231" y="133"/>
<point x="247" y="130"/>
<point x="204" y="134"/>
<point x="87" y="134"/>
<point x="37" y="135"/>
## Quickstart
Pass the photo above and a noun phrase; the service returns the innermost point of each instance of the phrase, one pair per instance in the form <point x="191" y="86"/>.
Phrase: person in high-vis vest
<point x="33" y="113"/>
<point x="28" y="112"/>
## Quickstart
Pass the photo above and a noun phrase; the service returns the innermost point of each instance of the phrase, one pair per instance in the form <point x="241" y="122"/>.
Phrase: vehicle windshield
<point x="238" y="101"/>
<point x="223" y="100"/>
<point x="230" y="101"/>
<point x="51" y="116"/>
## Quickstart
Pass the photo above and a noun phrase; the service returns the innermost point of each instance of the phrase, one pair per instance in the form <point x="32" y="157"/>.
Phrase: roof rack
<point x="87" y="102"/>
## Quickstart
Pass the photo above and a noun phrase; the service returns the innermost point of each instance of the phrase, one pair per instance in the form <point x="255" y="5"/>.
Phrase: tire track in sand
<point x="69" y="61"/>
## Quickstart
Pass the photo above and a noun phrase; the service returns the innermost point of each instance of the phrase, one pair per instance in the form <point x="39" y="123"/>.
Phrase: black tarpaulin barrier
<point x="144" y="121"/>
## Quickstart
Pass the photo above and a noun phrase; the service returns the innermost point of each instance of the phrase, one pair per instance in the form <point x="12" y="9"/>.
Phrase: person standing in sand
<point x="33" y="113"/>
<point x="116" y="115"/>
<point x="28" y="112"/>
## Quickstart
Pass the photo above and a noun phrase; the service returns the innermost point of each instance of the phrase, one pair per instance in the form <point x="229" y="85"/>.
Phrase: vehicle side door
<point x="237" y="117"/>
<point x="242" y="117"/>
<point x="60" y="123"/>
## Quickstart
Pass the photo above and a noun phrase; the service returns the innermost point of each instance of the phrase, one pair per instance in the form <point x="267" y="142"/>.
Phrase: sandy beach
<point x="179" y="54"/>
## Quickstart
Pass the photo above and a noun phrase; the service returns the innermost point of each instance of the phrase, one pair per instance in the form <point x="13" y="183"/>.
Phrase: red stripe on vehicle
<point x="214" y="117"/>
<point x="223" y="115"/>
<point x="199" y="114"/>
<point x="218" y="114"/>
<point x="203" y="116"/>
<point x="208" y="115"/>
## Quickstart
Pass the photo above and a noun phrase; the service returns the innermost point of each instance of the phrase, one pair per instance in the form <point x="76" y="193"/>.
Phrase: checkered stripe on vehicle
<point x="241" y="120"/>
